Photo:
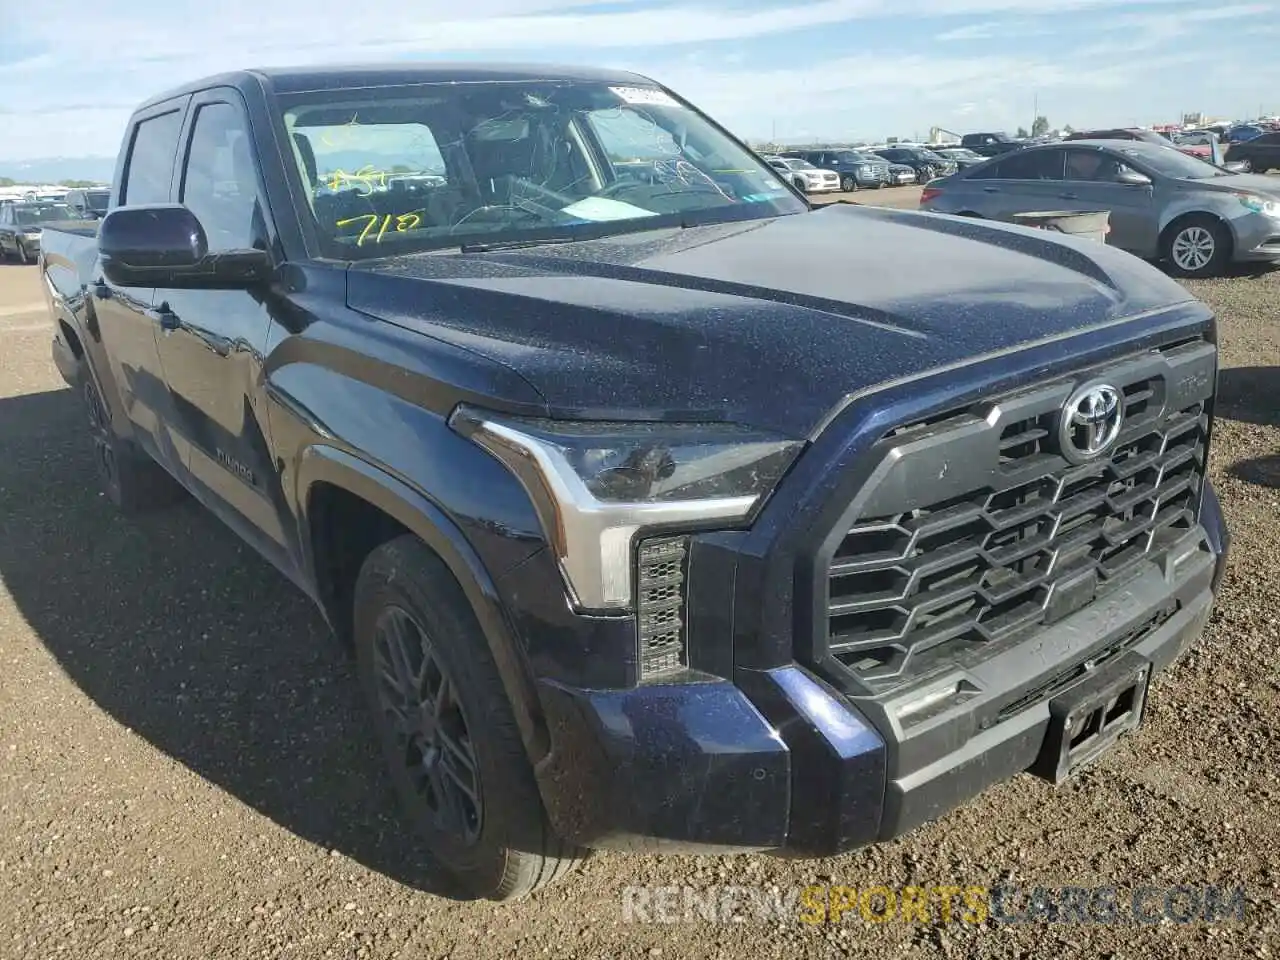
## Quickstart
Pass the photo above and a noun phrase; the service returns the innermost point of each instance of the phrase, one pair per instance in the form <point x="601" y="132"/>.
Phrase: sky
<point x="71" y="71"/>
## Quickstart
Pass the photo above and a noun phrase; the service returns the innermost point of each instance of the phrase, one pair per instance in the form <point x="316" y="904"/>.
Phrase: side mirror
<point x="1132" y="178"/>
<point x="164" y="245"/>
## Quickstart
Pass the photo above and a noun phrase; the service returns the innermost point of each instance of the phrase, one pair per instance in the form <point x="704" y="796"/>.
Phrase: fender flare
<point x="321" y="463"/>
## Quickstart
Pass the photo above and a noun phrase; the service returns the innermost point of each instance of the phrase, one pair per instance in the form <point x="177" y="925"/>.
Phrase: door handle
<point x="101" y="290"/>
<point x="1067" y="196"/>
<point x="167" y="319"/>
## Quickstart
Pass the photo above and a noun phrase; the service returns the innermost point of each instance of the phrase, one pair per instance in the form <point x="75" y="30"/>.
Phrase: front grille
<point x="946" y="576"/>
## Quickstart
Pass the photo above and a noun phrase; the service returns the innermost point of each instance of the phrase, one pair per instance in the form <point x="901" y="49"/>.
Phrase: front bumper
<point x="780" y="761"/>
<point x="1257" y="237"/>
<point x="764" y="754"/>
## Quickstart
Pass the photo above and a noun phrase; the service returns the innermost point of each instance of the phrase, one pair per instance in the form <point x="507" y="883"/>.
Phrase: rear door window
<point x="1032" y="165"/>
<point x="149" y="168"/>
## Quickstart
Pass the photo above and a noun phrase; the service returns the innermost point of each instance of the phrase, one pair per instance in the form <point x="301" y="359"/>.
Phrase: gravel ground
<point x="185" y="768"/>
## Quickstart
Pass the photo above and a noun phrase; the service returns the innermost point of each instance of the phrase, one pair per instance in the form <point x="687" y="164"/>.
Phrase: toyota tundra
<point x="660" y="509"/>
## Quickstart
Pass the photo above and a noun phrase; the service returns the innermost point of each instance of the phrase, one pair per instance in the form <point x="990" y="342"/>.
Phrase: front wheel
<point x="447" y="730"/>
<point x="848" y="184"/>
<point x="1198" y="246"/>
<point x="1246" y="166"/>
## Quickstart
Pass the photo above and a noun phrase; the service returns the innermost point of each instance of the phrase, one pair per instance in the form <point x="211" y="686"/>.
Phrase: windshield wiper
<point x="485" y="246"/>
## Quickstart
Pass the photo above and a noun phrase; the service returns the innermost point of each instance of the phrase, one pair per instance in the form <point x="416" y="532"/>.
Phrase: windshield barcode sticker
<point x="644" y="95"/>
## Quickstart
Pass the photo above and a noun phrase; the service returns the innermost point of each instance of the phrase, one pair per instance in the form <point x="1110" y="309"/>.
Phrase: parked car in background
<point x="962" y="157"/>
<point x="990" y="144"/>
<point x="1164" y="205"/>
<point x="22" y="224"/>
<point x="806" y="177"/>
<point x="1196" y="143"/>
<point x="856" y="170"/>
<point x="1119" y="133"/>
<point x="900" y="174"/>
<point x="89" y="204"/>
<point x="1244" y="132"/>
<point x="1257" y="155"/>
<point x="925" y="163"/>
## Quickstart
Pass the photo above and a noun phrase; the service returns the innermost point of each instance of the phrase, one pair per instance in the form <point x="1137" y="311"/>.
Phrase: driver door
<point x="1134" y="224"/>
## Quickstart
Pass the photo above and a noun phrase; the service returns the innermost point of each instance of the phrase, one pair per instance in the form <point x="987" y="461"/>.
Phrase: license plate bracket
<point x="1088" y="719"/>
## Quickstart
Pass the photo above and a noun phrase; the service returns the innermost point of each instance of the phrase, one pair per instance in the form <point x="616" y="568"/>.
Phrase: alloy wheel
<point x="418" y="701"/>
<point x="104" y="453"/>
<point x="1193" y="248"/>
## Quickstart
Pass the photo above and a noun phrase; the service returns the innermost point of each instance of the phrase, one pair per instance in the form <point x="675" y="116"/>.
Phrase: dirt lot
<point x="185" y="768"/>
<point x="903" y="198"/>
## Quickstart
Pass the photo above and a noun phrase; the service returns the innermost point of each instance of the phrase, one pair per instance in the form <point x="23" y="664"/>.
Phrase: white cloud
<point x="55" y="101"/>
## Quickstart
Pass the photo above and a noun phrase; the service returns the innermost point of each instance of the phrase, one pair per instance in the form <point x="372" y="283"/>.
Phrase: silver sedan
<point x="1164" y="204"/>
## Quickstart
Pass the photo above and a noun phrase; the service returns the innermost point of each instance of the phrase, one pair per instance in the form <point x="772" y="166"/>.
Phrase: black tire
<point x="1195" y="246"/>
<point x="130" y="479"/>
<point x="800" y="185"/>
<point x="496" y="841"/>
<point x="1246" y="166"/>
<point x="848" y="184"/>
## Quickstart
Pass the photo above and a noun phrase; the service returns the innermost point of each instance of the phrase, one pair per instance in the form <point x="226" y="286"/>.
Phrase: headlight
<point x="596" y="485"/>
<point x="1259" y="204"/>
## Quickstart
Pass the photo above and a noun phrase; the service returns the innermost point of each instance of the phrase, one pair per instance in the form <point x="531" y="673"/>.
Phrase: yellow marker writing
<point x="404" y="222"/>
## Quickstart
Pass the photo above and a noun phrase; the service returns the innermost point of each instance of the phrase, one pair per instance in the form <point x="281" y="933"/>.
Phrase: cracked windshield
<point x="498" y="162"/>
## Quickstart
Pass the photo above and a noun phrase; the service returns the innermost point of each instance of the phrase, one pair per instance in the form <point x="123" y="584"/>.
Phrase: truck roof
<point x="282" y="80"/>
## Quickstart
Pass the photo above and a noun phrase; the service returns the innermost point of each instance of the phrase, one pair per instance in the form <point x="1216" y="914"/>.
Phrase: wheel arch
<point x="380" y="507"/>
<point x="1181" y="218"/>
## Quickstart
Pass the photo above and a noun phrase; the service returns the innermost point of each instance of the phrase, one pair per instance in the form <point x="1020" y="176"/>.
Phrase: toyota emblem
<point x="1090" y="423"/>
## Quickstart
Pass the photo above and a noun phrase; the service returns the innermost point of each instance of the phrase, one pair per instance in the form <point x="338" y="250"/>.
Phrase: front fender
<point x="322" y="463"/>
<point x="1226" y="210"/>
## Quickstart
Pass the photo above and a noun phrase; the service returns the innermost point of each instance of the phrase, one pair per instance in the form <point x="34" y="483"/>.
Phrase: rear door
<point x="211" y="342"/>
<point x="125" y="316"/>
<point x="1265" y="152"/>
<point x="1024" y="182"/>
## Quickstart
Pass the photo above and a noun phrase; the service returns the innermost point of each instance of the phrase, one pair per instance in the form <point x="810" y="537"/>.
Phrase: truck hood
<point x="768" y="323"/>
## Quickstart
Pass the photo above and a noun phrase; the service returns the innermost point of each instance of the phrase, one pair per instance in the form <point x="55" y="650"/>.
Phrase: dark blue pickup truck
<point x="662" y="511"/>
